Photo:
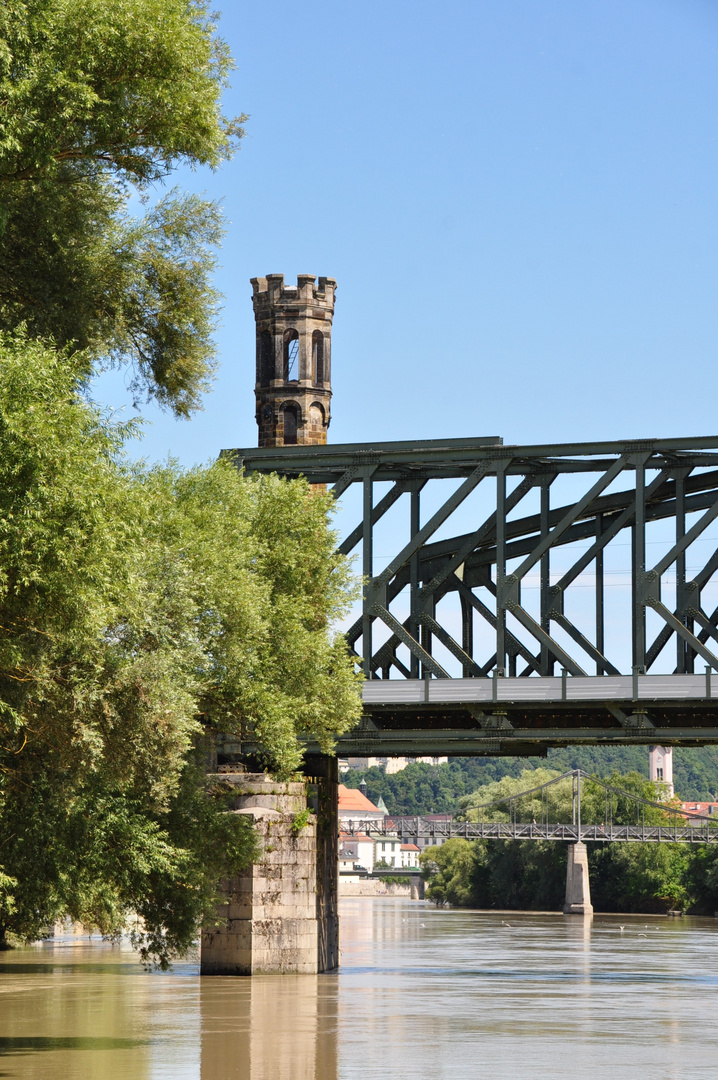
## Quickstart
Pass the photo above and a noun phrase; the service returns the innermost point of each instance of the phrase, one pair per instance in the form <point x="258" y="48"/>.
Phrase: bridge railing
<point x="421" y="828"/>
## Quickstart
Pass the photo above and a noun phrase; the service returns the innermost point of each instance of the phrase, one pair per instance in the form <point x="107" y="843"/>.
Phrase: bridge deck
<point x="500" y="830"/>
<point x="528" y="691"/>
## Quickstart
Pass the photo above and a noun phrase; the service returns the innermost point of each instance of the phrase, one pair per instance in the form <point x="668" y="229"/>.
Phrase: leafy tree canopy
<point x="141" y="610"/>
<point x="100" y="98"/>
<point x="556" y="800"/>
<point x="450" y="870"/>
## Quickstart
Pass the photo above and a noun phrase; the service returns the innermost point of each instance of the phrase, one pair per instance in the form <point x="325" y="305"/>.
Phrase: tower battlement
<point x="293" y="383"/>
<point x="271" y="291"/>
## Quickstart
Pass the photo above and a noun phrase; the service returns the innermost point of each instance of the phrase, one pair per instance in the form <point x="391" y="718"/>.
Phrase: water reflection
<point x="53" y="1022"/>
<point x="269" y="1027"/>
<point x="86" y="1011"/>
<point x="426" y="993"/>
<point x="511" y="997"/>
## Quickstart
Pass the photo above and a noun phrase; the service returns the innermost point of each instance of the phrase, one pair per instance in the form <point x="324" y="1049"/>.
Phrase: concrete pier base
<point x="578" y="890"/>
<point x="267" y="918"/>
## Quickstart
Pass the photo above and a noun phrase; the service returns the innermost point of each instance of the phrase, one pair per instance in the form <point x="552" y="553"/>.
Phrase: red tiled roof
<point x="361" y="837"/>
<point x="410" y="847"/>
<point x="352" y="799"/>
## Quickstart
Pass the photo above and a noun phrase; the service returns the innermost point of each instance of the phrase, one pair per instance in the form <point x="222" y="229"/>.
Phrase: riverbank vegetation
<point x="531" y="874"/>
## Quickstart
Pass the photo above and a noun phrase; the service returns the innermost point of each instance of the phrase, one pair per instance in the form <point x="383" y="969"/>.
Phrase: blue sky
<point x="518" y="200"/>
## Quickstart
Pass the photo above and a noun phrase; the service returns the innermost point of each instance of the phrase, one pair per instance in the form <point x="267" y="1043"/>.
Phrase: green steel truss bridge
<point x="537" y="596"/>
<point x="676" y="827"/>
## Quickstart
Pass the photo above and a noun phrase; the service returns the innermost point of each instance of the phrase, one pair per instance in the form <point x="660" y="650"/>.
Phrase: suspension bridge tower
<point x="294" y="340"/>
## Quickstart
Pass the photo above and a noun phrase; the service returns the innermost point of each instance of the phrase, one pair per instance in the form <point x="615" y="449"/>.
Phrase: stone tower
<point x="294" y="334"/>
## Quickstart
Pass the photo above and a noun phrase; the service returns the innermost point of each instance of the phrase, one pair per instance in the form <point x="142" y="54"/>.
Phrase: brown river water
<point x="422" y="993"/>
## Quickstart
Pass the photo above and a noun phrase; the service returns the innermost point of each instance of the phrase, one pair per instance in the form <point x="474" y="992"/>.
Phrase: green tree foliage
<point x="141" y="610"/>
<point x="426" y="789"/>
<point x="556" y="800"/>
<point x="641" y="877"/>
<point x="451" y="870"/>
<point x="100" y="99"/>
<point x="701" y="880"/>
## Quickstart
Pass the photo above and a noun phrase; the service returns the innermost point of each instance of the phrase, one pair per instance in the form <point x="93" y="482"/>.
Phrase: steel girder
<point x="625" y="487"/>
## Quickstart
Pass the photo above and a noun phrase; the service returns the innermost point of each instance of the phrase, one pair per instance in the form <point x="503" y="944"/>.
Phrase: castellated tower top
<point x="294" y="332"/>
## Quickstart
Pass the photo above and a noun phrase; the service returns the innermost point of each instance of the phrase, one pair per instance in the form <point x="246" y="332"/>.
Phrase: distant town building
<point x="376" y="843"/>
<point x="356" y="809"/>
<point x="409" y="855"/>
<point x="703" y="808"/>
<point x="387" y="849"/>
<point x="379" y="842"/>
<point x="356" y="852"/>
<point x="410" y="829"/>
<point x="391" y="765"/>
<point x="398" y="764"/>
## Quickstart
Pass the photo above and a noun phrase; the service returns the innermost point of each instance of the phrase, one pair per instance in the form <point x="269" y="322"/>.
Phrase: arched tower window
<point x="266" y="358"/>
<point x="291" y="356"/>
<point x="318" y="357"/>
<point x="316" y="417"/>
<point x="290" y="425"/>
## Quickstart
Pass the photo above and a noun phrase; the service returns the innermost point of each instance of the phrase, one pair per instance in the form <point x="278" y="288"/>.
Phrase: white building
<point x="411" y="837"/>
<point x="424" y="842"/>
<point x="362" y="850"/>
<point x="356" y="852"/>
<point x="409" y="855"/>
<point x="387" y="849"/>
<point x="398" y="764"/>
<point x="391" y="764"/>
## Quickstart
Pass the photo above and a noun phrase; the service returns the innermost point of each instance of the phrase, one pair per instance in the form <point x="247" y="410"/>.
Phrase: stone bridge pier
<point x="281" y="916"/>
<point x="578" y="889"/>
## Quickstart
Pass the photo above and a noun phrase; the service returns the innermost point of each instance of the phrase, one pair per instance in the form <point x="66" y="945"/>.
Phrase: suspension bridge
<point x="676" y="826"/>
<point x="624" y="818"/>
